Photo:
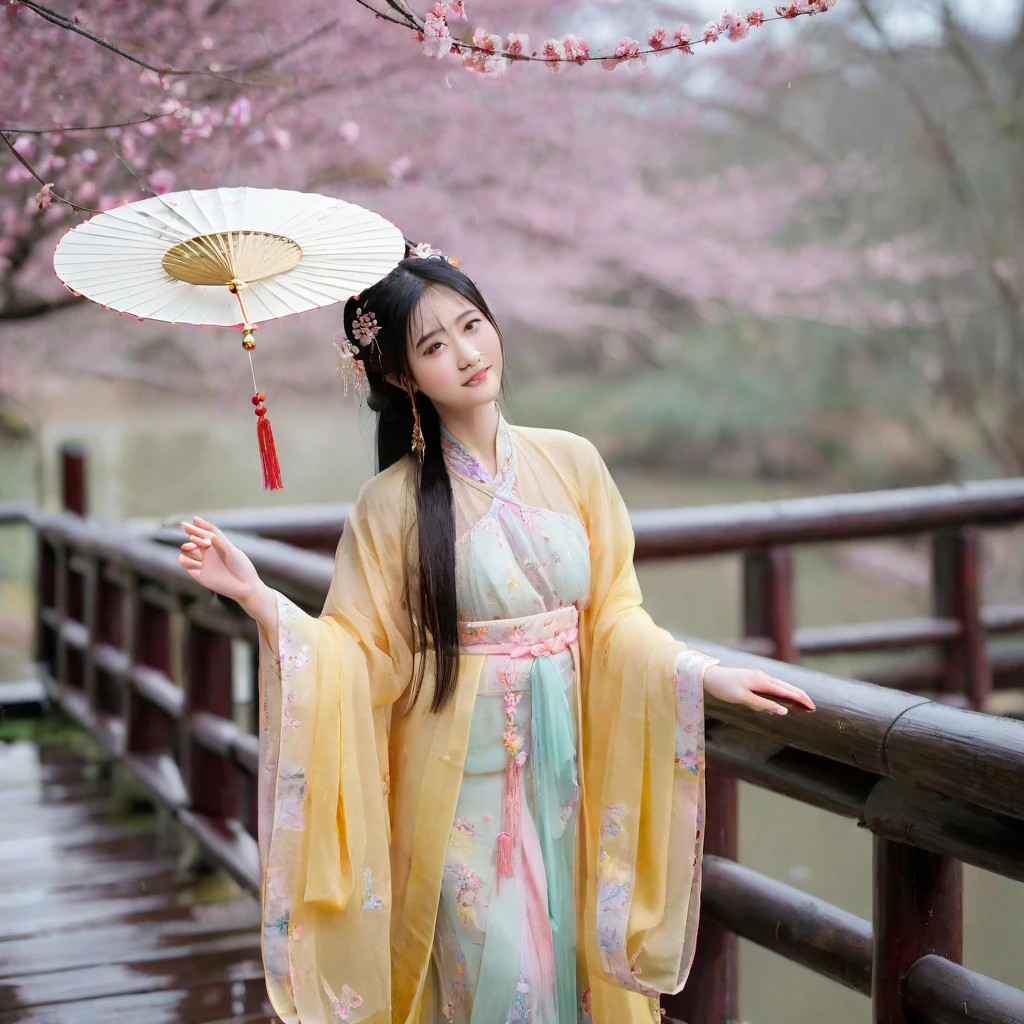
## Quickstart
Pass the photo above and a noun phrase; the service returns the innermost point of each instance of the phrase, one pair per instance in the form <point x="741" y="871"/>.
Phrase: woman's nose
<point x="469" y="355"/>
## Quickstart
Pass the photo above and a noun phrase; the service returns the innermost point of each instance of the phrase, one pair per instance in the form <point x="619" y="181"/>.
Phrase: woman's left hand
<point x="747" y="685"/>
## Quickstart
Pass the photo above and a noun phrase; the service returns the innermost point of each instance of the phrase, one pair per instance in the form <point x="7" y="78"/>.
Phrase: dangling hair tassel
<point x="419" y="444"/>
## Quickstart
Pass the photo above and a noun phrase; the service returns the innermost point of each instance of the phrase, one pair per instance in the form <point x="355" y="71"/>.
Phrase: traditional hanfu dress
<point x="530" y="854"/>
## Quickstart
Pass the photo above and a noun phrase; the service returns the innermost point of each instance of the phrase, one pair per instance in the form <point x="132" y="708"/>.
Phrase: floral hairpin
<point x="365" y="328"/>
<point x="425" y="251"/>
<point x="352" y="371"/>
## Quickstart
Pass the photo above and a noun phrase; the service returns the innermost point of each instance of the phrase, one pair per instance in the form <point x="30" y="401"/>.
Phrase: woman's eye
<point x="436" y="347"/>
<point x="471" y="324"/>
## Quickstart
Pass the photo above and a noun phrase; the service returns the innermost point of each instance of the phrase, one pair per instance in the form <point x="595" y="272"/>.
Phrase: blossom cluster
<point x="489" y="55"/>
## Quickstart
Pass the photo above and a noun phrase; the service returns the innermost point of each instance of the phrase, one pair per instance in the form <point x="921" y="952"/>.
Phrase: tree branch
<point x="265" y="61"/>
<point x="14" y="130"/>
<point x="35" y="174"/>
<point x="959" y="181"/>
<point x="70" y="26"/>
<point x="29" y="309"/>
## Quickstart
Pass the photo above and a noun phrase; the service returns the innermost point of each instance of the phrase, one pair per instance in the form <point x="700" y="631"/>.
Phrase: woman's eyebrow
<point x="430" y="334"/>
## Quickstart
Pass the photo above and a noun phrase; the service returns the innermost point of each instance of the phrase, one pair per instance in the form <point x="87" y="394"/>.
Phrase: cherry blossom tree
<point x="586" y="203"/>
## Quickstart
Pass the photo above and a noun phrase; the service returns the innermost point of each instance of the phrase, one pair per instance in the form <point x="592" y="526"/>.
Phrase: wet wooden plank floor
<point x="98" y="924"/>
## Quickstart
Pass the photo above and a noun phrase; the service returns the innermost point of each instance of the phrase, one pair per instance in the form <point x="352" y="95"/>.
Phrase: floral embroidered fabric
<point x="521" y="571"/>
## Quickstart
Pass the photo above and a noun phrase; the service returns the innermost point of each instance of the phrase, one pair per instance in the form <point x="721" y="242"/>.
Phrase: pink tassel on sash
<point x="510" y="814"/>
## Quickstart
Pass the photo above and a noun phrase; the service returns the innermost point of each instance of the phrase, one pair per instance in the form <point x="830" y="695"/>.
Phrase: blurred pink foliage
<point x="557" y="191"/>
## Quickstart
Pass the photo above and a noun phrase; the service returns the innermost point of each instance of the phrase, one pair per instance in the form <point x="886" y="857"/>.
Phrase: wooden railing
<point x="163" y="674"/>
<point x="957" y="663"/>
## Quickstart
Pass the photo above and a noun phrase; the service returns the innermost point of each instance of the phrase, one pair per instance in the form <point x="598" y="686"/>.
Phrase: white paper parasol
<point x="229" y="257"/>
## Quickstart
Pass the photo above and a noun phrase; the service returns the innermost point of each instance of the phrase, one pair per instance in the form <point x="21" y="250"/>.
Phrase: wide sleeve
<point x="326" y="686"/>
<point x="643" y="751"/>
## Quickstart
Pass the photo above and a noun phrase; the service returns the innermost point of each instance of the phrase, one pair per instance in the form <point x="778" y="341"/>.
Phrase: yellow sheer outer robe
<point x="359" y="785"/>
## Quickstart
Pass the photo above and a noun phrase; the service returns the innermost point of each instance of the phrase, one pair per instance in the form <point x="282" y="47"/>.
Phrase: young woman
<point x="481" y="767"/>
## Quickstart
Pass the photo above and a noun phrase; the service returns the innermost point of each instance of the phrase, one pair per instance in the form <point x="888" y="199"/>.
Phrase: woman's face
<point x="454" y="351"/>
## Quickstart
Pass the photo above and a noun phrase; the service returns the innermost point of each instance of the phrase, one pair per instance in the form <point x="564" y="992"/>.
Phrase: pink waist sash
<point x="527" y="636"/>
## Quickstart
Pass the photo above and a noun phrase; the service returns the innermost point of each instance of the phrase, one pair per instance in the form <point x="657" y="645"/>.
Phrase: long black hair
<point x="393" y="303"/>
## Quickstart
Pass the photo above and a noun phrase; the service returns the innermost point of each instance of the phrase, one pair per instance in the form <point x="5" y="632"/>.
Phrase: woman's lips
<point x="476" y="378"/>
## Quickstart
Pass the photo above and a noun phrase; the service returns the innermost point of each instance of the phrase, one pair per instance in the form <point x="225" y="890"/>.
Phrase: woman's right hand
<point x="215" y="562"/>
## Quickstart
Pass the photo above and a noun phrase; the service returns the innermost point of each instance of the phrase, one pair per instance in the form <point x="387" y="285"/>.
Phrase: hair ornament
<point x="364" y="327"/>
<point x="425" y="251"/>
<point x="350" y="369"/>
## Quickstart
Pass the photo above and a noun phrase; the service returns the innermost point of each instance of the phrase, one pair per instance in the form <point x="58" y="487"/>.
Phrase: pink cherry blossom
<point x="656" y="39"/>
<point x="437" y="40"/>
<point x="517" y="43"/>
<point x="627" y="48"/>
<point x="575" y="48"/>
<point x="683" y="39"/>
<point x="162" y="181"/>
<point x="483" y="41"/>
<point x="400" y="168"/>
<point x="43" y="198"/>
<point x="18" y="174"/>
<point x="495" y="63"/>
<point x="711" y="33"/>
<point x="734" y="26"/>
<point x="51" y="162"/>
<point x="456" y="10"/>
<point x="240" y="112"/>
<point x="554" y="54"/>
<point x="755" y="17"/>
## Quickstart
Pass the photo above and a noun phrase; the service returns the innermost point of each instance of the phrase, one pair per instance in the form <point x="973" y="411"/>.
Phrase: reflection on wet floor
<point x="101" y="920"/>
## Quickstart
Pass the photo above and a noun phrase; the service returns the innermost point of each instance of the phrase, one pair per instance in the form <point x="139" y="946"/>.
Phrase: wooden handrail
<point x="962" y="754"/>
<point x="787" y="921"/>
<point x="716" y="529"/>
<point x="941" y="992"/>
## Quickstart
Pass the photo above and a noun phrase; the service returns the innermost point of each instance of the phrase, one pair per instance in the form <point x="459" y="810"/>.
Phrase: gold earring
<point x="419" y="444"/>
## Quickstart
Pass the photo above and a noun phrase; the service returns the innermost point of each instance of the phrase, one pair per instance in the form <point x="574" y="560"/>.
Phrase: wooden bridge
<point x="161" y="674"/>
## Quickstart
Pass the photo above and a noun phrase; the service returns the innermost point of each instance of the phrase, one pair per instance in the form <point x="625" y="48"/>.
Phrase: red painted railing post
<point x="711" y="995"/>
<point x="46" y="598"/>
<point x="768" y="600"/>
<point x="149" y="731"/>
<point x="918" y="909"/>
<point x="956" y="594"/>
<point x="74" y="462"/>
<point x="210" y="778"/>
